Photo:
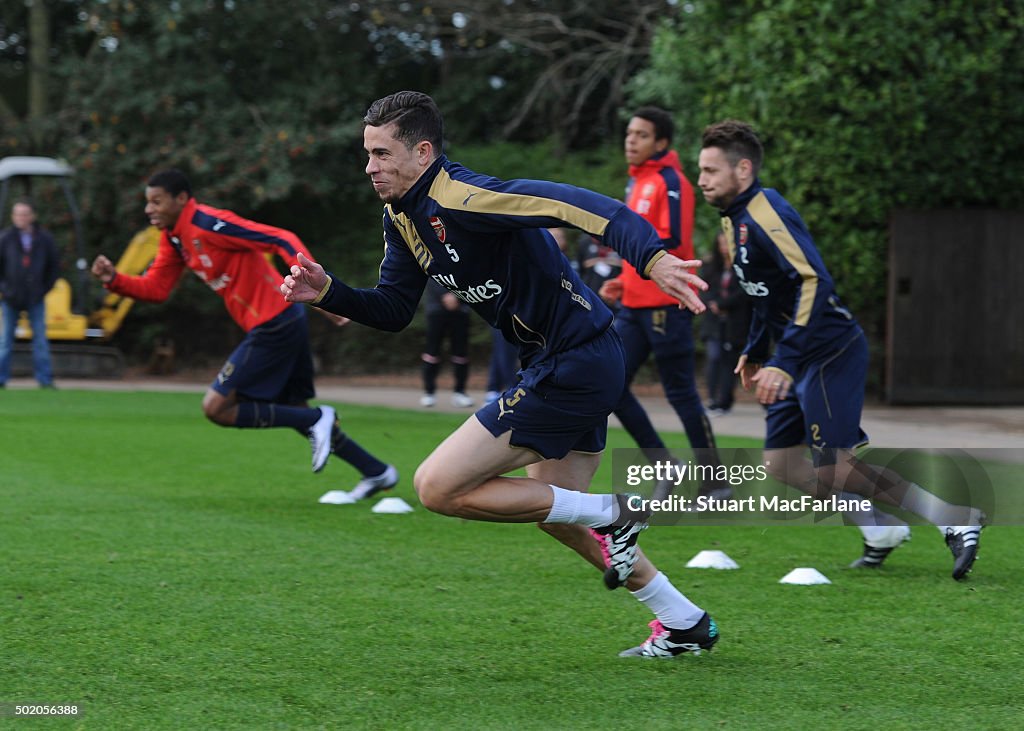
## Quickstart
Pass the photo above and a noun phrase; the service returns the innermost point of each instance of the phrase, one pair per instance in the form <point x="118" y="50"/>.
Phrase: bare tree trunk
<point x="38" y="61"/>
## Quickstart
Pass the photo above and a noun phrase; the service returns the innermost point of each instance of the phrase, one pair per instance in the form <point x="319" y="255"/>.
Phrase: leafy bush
<point x="864" y="108"/>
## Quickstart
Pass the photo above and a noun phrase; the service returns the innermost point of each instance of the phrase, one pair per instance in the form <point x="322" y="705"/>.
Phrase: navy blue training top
<point x="484" y="239"/>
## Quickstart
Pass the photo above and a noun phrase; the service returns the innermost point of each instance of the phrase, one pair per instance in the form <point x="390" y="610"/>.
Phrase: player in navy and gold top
<point x="484" y="240"/>
<point x="806" y="355"/>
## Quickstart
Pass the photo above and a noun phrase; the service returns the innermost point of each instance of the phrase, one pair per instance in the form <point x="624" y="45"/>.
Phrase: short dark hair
<point x="664" y="127"/>
<point x="23" y="200"/>
<point x="738" y="141"/>
<point x="172" y="180"/>
<point x="415" y="115"/>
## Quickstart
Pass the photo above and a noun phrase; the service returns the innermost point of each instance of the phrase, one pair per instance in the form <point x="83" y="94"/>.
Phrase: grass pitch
<point x="169" y="574"/>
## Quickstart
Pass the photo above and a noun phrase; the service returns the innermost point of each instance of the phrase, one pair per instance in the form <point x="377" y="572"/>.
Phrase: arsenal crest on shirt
<point x="743" y="234"/>
<point x="438" y="225"/>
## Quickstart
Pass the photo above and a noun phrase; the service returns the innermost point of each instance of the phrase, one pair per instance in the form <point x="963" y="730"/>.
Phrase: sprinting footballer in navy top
<point x="484" y="240"/>
<point x="812" y="383"/>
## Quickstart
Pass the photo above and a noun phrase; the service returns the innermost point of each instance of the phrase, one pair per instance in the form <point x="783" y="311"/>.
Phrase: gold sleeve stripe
<point x="766" y="217"/>
<point x="463" y="196"/>
<point x="727" y="229"/>
<point x="653" y="261"/>
<point x="410" y="237"/>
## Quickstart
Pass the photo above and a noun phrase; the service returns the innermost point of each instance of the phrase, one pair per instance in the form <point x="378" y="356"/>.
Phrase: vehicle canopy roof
<point x="25" y="165"/>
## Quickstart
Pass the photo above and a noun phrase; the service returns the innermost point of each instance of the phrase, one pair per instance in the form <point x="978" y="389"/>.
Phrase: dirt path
<point x="932" y="427"/>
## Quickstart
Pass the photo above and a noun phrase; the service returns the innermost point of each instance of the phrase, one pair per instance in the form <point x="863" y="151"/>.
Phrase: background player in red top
<point x="650" y="320"/>
<point x="268" y="379"/>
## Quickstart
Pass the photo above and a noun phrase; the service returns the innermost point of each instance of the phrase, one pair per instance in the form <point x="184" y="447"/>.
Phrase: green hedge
<point x="864" y="108"/>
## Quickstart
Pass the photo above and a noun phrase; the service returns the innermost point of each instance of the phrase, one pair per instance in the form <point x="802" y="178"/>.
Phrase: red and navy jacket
<point x="778" y="265"/>
<point x="484" y="240"/>
<point x="227" y="252"/>
<point x="659" y="192"/>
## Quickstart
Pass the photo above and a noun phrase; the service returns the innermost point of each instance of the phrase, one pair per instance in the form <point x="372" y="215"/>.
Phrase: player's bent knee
<point x="432" y="490"/>
<point x="437" y="502"/>
<point x="217" y="416"/>
<point x="216" y="409"/>
<point x="777" y="469"/>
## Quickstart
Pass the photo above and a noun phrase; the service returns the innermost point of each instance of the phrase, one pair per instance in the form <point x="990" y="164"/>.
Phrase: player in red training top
<point x="268" y="379"/>
<point x="648" y="320"/>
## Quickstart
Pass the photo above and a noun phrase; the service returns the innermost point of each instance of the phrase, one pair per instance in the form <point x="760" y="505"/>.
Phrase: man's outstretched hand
<point x="674" y="277"/>
<point x="306" y="281"/>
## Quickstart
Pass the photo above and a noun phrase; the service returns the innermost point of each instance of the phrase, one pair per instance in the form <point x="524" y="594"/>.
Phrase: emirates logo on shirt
<point x="438" y="225"/>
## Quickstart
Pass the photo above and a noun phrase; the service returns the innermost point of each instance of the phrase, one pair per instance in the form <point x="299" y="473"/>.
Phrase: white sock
<point x="669" y="605"/>
<point x="881" y="536"/>
<point x="875" y="517"/>
<point x="936" y="510"/>
<point x="573" y="506"/>
<point x="954" y="528"/>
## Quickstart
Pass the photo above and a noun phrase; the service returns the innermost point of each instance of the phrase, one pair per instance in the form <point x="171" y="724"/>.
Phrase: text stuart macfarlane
<point x="752" y="504"/>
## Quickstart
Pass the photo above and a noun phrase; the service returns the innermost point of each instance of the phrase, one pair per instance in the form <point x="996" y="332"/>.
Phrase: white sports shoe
<point x="320" y="437"/>
<point x="428" y="400"/>
<point x="369" y="486"/>
<point x="879" y="542"/>
<point x="461" y="400"/>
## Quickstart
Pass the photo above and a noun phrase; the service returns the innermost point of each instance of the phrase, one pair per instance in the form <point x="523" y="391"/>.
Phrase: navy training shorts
<point x="824" y="407"/>
<point x="561" y="404"/>
<point x="273" y="363"/>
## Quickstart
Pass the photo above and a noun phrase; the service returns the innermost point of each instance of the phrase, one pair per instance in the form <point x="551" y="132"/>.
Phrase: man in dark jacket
<point x="29" y="266"/>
